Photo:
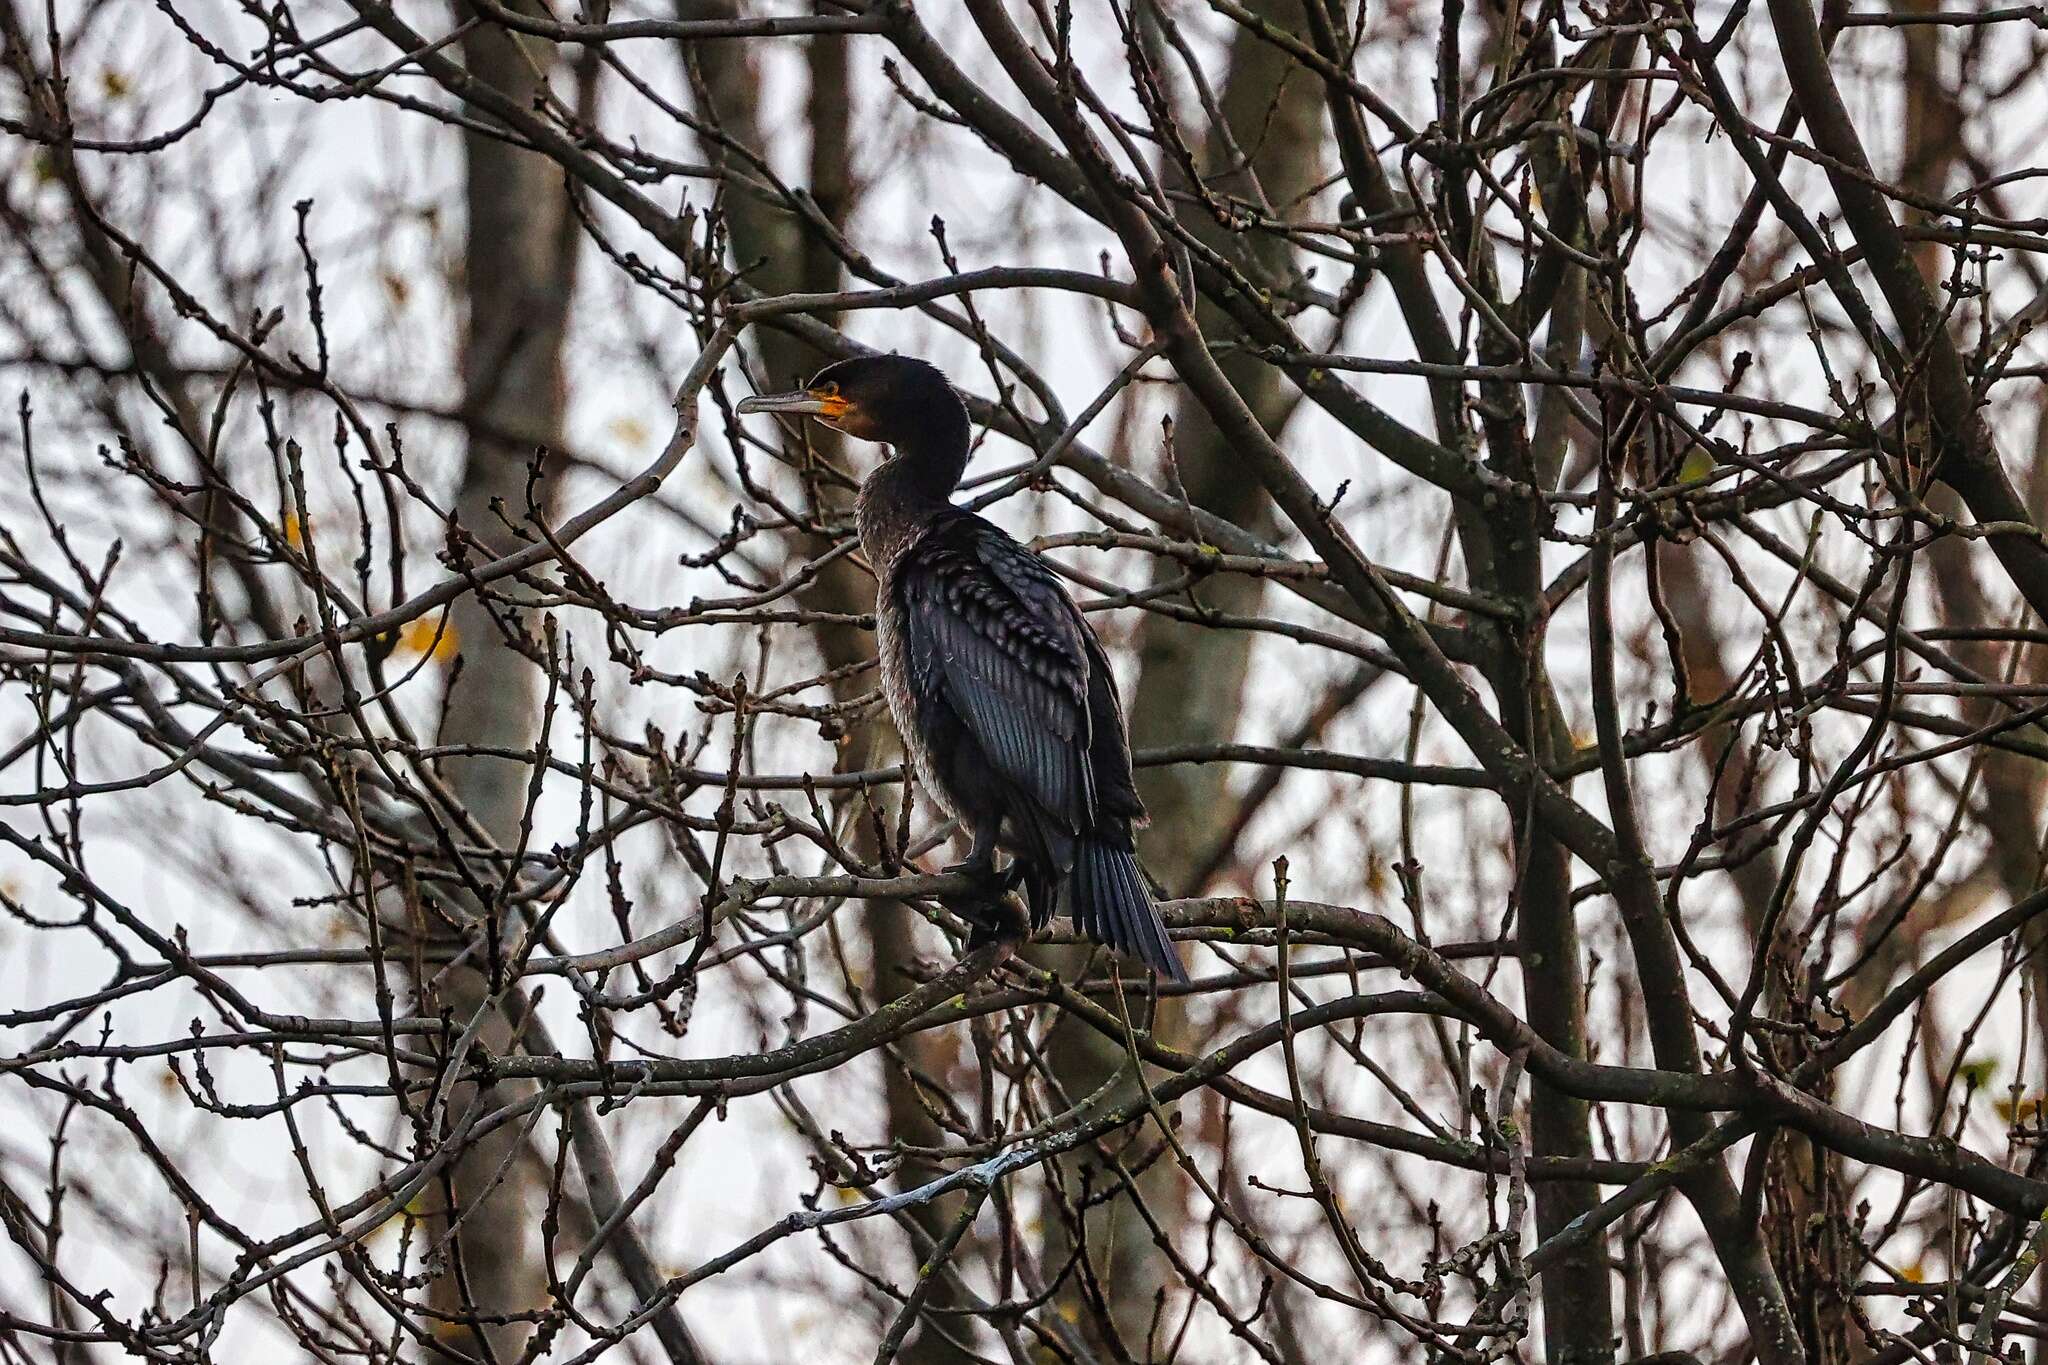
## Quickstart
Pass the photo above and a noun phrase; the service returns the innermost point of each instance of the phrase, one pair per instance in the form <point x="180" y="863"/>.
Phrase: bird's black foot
<point x="990" y="914"/>
<point x="996" y="919"/>
<point x="982" y="868"/>
<point x="1000" y="882"/>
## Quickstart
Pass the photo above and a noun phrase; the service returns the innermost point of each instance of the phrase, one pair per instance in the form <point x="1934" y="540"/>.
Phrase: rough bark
<point x="1191" y="680"/>
<point x="519" y="266"/>
<point x="2011" y="784"/>
<point x="1190" y="684"/>
<point x="783" y="256"/>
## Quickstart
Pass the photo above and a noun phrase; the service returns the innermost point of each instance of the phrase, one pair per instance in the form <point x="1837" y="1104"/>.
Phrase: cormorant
<point x="1002" y="693"/>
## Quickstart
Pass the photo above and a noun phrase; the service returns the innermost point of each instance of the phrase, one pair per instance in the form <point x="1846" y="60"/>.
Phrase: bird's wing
<point x="989" y="632"/>
<point x="1116" y="792"/>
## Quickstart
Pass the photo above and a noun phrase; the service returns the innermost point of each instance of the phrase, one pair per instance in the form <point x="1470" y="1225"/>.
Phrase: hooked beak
<point x="802" y="402"/>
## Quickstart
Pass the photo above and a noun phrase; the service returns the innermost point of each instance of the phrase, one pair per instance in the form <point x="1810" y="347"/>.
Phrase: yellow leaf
<point x="1376" y="873"/>
<point x="1698" y="465"/>
<point x="629" y="431"/>
<point x="428" y="635"/>
<point x="2025" y="1111"/>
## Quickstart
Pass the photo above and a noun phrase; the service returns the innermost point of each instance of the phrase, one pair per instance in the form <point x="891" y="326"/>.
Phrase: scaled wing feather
<point x="991" y="635"/>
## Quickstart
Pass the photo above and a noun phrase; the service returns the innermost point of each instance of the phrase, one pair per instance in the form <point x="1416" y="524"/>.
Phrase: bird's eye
<point x="829" y="389"/>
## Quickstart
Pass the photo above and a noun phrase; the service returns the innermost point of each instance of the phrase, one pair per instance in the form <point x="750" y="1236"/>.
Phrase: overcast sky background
<point x="385" y="222"/>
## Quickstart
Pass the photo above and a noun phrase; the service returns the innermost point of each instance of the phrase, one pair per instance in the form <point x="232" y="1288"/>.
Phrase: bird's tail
<point x="1109" y="901"/>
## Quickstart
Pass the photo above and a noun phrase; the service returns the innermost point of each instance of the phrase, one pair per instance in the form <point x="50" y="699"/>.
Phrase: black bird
<point x="1002" y="693"/>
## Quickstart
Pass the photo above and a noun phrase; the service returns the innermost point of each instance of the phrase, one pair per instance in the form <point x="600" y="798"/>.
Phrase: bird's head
<point x="890" y="398"/>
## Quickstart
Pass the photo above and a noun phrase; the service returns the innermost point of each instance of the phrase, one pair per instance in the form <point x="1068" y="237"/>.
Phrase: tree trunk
<point x="1191" y="679"/>
<point x="784" y="257"/>
<point x="519" y="268"/>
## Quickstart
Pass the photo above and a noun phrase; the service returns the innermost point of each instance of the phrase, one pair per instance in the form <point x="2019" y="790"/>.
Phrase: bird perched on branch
<point x="1002" y="693"/>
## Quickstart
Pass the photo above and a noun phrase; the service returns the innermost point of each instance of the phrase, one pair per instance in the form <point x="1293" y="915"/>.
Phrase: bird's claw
<point x="995" y="883"/>
<point x="994" y="921"/>
<point x="989" y="918"/>
<point x="984" y="870"/>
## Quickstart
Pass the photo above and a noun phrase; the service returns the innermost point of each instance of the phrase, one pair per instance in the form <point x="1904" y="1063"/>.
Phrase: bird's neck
<point x="932" y="457"/>
<point x="906" y="491"/>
